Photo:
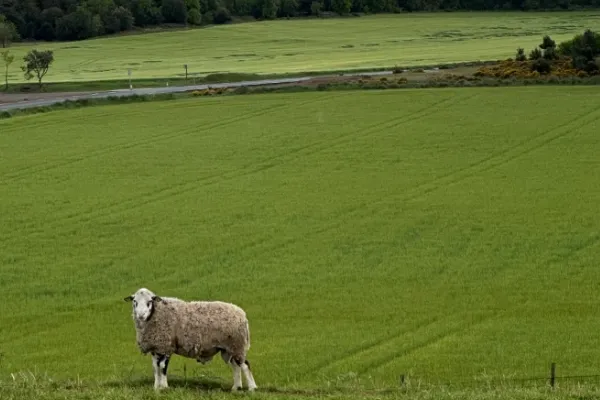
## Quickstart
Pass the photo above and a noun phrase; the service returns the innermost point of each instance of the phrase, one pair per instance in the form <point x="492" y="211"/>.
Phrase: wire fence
<point x="406" y="382"/>
<point x="551" y="379"/>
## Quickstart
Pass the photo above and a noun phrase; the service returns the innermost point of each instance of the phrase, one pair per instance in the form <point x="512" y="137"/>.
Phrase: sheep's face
<point x="144" y="302"/>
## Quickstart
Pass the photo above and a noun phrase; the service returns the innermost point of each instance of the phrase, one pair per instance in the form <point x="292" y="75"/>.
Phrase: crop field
<point x="444" y="234"/>
<point x="295" y="46"/>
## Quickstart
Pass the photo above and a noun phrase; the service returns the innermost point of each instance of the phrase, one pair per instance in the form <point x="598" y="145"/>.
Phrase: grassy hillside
<point x="445" y="234"/>
<point x="309" y="45"/>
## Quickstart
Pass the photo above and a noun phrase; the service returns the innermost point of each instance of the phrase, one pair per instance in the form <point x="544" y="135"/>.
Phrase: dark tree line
<point x="82" y="19"/>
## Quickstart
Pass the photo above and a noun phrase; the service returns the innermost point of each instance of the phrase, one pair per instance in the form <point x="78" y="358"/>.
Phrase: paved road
<point x="167" y="89"/>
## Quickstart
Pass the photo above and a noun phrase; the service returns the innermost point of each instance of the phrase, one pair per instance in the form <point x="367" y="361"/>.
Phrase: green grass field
<point x="310" y="45"/>
<point x="446" y="234"/>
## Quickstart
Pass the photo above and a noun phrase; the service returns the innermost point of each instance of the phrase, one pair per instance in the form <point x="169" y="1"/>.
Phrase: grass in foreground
<point x="270" y="47"/>
<point x="370" y="233"/>
<point x="28" y="386"/>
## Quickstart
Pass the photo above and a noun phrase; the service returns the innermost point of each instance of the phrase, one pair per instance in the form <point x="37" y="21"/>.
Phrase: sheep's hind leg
<point x="237" y="371"/>
<point x="249" y="377"/>
<point x="160" y="362"/>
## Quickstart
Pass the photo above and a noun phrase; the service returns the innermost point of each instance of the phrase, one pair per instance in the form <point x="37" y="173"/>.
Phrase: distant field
<point x="309" y="45"/>
<point x="445" y="234"/>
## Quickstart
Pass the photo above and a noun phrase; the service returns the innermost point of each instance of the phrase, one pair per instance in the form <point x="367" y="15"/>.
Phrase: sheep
<point x="195" y="329"/>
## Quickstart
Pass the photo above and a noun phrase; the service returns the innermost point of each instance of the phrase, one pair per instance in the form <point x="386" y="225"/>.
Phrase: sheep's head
<point x="144" y="302"/>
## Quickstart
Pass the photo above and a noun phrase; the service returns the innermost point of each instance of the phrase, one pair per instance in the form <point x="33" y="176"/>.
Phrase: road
<point x="168" y="89"/>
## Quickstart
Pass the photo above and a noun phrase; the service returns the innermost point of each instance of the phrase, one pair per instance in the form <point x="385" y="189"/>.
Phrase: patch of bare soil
<point x="410" y="75"/>
<point x="423" y="75"/>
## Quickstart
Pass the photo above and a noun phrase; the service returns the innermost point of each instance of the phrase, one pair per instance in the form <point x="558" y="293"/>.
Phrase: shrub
<point x="124" y="17"/>
<point x="8" y="32"/>
<point x="221" y="16"/>
<point x="542" y="66"/>
<point x="208" y="18"/>
<point x="341" y="7"/>
<point x="520" y="55"/>
<point x="547" y="43"/>
<point x="583" y="49"/>
<point x="241" y="90"/>
<point x="78" y="25"/>
<point x="581" y="63"/>
<point x="315" y="8"/>
<point x="575" y="45"/>
<point x="535" y="54"/>
<point x="194" y="17"/>
<point x="566" y="48"/>
<point x="550" y="54"/>
<point x="174" y="11"/>
<point x="582" y="74"/>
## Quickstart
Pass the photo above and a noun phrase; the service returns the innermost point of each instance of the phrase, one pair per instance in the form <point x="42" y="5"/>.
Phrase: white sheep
<point x="196" y="329"/>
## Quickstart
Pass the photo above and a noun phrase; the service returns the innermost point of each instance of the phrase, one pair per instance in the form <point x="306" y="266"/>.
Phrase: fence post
<point x="552" y="374"/>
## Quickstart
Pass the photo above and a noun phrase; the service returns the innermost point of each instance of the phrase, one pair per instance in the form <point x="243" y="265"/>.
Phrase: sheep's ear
<point x="128" y="298"/>
<point x="156" y="298"/>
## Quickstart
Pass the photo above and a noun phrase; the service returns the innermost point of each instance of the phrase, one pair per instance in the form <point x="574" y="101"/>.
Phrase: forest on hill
<point x="83" y="19"/>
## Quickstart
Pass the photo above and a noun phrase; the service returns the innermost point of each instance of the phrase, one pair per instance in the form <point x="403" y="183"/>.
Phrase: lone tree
<point x="549" y="48"/>
<point x="8" y="32"/>
<point x="8" y="59"/>
<point x="37" y="62"/>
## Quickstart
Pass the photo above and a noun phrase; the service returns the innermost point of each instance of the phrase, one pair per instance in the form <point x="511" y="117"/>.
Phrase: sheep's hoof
<point x="236" y="388"/>
<point x="252" y="388"/>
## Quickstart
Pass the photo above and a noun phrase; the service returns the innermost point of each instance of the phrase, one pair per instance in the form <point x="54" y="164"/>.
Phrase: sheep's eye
<point x="135" y="303"/>
<point x="149" y="304"/>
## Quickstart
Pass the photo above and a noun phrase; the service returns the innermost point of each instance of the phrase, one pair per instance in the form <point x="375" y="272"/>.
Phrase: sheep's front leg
<point x="249" y="377"/>
<point x="160" y="362"/>
<point x="155" y="369"/>
<point x="237" y="377"/>
<point x="237" y="371"/>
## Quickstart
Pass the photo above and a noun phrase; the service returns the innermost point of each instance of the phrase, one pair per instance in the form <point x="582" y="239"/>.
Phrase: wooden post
<point x="186" y="74"/>
<point x="552" y="374"/>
